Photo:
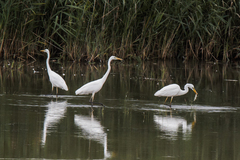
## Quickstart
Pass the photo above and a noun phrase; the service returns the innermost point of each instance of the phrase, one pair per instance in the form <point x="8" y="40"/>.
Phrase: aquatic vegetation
<point x="141" y="30"/>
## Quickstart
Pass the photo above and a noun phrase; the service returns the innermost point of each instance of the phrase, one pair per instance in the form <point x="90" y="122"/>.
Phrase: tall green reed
<point x="143" y="30"/>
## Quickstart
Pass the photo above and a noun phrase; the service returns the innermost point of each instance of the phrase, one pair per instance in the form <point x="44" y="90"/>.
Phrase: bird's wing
<point x="89" y="88"/>
<point x="57" y="81"/>
<point x="168" y="91"/>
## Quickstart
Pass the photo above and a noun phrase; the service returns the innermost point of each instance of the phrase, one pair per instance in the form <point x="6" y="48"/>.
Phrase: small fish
<point x="195" y="97"/>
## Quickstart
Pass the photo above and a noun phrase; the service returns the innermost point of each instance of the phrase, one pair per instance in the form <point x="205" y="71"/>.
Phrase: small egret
<point x="95" y="86"/>
<point x="173" y="90"/>
<point x="56" y="80"/>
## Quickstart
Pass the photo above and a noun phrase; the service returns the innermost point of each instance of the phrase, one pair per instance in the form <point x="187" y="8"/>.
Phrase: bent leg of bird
<point x="165" y="100"/>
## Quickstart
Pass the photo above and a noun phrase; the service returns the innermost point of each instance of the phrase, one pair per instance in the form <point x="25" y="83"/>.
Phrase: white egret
<point x="56" y="80"/>
<point x="173" y="90"/>
<point x="95" y="86"/>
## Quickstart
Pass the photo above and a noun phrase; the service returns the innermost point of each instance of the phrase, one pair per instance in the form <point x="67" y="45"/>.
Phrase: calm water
<point x="133" y="125"/>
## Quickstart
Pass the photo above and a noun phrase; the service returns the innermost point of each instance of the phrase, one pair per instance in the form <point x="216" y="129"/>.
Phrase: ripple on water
<point x="200" y="108"/>
<point x="118" y="104"/>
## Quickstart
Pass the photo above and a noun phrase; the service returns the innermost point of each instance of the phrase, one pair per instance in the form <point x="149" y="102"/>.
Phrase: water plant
<point x="91" y="30"/>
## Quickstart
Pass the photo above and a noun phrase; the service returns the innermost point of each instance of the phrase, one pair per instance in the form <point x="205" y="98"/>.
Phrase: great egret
<point x="56" y="80"/>
<point x="173" y="90"/>
<point x="95" y="86"/>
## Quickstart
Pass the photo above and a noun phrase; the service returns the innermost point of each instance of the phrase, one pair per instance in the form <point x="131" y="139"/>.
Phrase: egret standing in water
<point x="95" y="86"/>
<point x="56" y="80"/>
<point x="173" y="90"/>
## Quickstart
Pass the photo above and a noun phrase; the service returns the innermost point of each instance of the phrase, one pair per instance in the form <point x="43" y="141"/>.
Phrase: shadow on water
<point x="133" y="125"/>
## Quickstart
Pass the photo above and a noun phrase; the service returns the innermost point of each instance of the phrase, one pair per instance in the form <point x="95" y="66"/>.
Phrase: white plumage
<point x="56" y="80"/>
<point x="173" y="90"/>
<point x="95" y="86"/>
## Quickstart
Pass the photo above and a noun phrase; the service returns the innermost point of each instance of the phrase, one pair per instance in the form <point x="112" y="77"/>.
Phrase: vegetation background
<point x="91" y="30"/>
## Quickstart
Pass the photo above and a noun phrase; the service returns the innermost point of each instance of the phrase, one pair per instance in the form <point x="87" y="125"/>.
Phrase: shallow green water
<point x="133" y="125"/>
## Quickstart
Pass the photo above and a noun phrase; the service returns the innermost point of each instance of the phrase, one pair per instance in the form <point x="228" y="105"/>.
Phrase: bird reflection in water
<point x="55" y="112"/>
<point x="172" y="125"/>
<point x="92" y="130"/>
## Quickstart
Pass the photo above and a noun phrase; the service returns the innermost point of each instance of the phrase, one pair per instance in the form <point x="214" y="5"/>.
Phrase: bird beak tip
<point x="195" y="91"/>
<point x="42" y="50"/>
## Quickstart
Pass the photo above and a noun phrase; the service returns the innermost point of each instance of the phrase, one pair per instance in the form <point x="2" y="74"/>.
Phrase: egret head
<point x="45" y="50"/>
<point x="114" y="58"/>
<point x="191" y="86"/>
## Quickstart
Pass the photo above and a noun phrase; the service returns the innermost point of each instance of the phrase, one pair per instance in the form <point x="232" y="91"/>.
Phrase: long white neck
<point x="182" y="92"/>
<point x="108" y="71"/>
<point x="47" y="61"/>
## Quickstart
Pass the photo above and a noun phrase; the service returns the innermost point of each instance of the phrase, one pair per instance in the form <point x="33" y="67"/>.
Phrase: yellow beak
<point x="195" y="91"/>
<point x="42" y="50"/>
<point x="119" y="59"/>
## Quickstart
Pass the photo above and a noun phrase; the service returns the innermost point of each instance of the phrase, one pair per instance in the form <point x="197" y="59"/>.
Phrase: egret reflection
<point x="55" y="111"/>
<point x="173" y="125"/>
<point x="92" y="130"/>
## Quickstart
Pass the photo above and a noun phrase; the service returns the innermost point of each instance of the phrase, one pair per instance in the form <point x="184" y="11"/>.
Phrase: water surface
<point x="133" y="125"/>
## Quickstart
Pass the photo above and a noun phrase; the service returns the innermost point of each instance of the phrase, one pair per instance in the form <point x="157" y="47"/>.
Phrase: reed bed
<point x="142" y="30"/>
